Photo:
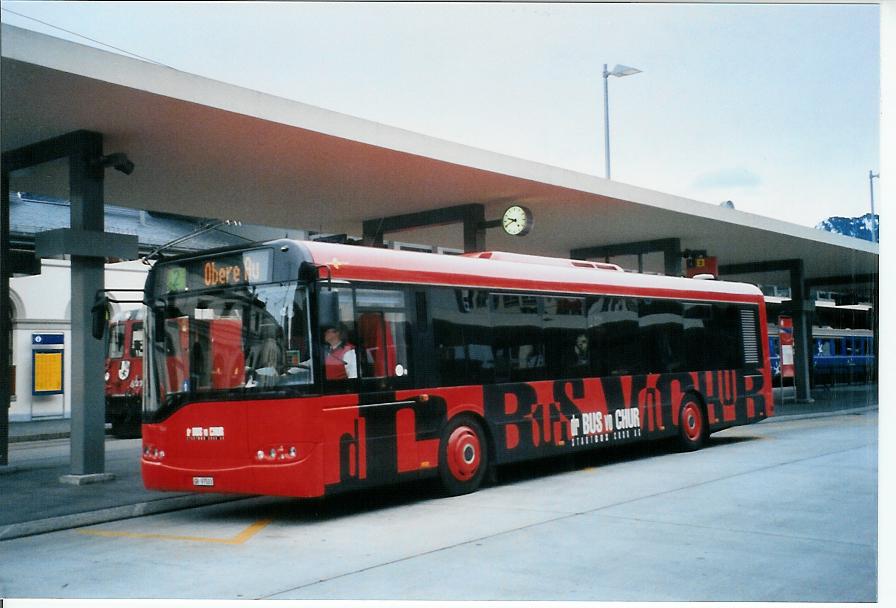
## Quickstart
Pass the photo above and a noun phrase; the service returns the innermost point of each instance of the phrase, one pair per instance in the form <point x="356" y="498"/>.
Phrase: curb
<point x="39" y="437"/>
<point x="828" y="414"/>
<point x="89" y="518"/>
<point x="48" y="436"/>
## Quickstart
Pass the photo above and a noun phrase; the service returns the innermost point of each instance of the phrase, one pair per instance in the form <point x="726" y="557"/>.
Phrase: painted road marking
<point x="236" y="540"/>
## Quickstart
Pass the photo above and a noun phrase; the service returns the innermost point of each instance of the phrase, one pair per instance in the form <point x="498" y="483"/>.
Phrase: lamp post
<point x="871" y="176"/>
<point x="619" y="71"/>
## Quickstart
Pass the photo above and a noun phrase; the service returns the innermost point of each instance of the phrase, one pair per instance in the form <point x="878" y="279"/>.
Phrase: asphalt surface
<point x="33" y="500"/>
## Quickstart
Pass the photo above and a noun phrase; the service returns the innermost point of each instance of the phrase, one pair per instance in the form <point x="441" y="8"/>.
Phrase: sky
<point x="773" y="107"/>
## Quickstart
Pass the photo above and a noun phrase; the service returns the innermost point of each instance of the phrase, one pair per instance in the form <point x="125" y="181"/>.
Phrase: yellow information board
<point x="47" y="372"/>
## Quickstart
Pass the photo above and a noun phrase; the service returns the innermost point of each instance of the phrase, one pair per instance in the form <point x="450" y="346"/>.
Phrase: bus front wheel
<point x="693" y="428"/>
<point x="463" y="456"/>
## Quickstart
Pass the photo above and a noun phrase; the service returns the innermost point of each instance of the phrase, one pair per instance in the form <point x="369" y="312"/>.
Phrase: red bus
<point x="304" y="369"/>
<point x="124" y="373"/>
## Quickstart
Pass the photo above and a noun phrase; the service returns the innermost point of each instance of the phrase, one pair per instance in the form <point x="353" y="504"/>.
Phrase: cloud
<point x="728" y="178"/>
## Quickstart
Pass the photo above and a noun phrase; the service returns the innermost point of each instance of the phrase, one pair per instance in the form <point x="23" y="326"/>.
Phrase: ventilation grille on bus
<point x="748" y="330"/>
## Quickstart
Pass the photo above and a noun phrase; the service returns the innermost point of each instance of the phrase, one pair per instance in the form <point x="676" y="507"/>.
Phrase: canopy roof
<point x="216" y="150"/>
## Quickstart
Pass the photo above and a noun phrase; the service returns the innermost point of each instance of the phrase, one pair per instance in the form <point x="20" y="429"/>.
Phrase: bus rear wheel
<point x="692" y="426"/>
<point x="463" y="456"/>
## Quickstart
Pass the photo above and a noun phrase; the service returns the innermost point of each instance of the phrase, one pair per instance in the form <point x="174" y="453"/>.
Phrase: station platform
<point x="33" y="500"/>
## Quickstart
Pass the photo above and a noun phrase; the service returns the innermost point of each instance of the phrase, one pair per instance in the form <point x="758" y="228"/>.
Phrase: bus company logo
<point x="200" y="433"/>
<point x="597" y="427"/>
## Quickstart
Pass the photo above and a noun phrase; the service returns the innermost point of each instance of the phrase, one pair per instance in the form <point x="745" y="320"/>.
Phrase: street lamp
<point x="871" y="176"/>
<point x="619" y="71"/>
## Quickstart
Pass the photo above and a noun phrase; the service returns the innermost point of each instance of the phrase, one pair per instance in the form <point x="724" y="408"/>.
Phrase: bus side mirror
<point x="328" y="308"/>
<point x="98" y="319"/>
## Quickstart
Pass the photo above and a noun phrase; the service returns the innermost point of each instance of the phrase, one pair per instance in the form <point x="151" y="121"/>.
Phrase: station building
<point x="160" y="140"/>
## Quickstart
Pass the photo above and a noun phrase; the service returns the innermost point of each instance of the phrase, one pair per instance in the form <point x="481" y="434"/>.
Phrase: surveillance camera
<point x="119" y="161"/>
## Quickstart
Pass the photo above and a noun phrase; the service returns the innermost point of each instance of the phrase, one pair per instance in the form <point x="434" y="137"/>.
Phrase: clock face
<point x="517" y="221"/>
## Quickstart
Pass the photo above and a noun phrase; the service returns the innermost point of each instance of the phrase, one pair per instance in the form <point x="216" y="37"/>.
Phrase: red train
<point x="124" y="373"/>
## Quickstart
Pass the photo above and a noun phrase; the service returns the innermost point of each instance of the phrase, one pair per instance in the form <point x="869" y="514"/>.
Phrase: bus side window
<point x="462" y="337"/>
<point x="662" y="329"/>
<point x="614" y="336"/>
<point x="567" y="349"/>
<point x="518" y="339"/>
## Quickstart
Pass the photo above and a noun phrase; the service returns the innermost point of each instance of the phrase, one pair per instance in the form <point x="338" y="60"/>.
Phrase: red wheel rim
<point x="692" y="420"/>
<point x="464" y="453"/>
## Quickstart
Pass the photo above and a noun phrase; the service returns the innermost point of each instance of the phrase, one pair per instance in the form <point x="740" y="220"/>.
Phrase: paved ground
<point x="32" y="501"/>
<point x="785" y="510"/>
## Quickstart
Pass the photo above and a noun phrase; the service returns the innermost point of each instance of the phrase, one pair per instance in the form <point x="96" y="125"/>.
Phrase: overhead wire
<point x="73" y="33"/>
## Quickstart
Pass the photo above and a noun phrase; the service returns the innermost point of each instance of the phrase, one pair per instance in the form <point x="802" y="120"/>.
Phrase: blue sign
<point x="44" y="339"/>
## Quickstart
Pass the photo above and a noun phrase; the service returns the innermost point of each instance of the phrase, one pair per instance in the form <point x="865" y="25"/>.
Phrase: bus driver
<point x="340" y="360"/>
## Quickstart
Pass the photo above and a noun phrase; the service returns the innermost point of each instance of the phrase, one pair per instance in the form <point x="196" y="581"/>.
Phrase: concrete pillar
<point x="672" y="257"/>
<point x="87" y="391"/>
<point x="671" y="249"/>
<point x="802" y="331"/>
<point x="472" y="216"/>
<point x="474" y="228"/>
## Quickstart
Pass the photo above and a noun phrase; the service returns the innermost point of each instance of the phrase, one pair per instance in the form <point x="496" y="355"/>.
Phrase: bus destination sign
<point x="241" y="268"/>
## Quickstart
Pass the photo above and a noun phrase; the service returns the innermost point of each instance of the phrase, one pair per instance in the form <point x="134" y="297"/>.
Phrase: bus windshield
<point x="254" y="338"/>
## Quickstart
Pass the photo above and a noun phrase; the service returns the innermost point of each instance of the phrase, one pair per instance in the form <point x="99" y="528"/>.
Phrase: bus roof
<point x="499" y="270"/>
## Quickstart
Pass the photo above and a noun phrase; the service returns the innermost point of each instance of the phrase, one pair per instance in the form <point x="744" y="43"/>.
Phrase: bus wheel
<point x="463" y="456"/>
<point x="692" y="425"/>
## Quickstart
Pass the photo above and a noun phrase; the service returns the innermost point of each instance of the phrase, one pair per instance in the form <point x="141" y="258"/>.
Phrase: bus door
<point x="372" y="361"/>
<point x="383" y="336"/>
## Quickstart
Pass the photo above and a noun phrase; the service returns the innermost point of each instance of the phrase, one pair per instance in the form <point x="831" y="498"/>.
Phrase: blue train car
<point x="838" y="355"/>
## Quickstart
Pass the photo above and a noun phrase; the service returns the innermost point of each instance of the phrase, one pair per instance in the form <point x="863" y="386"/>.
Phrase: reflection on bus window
<point x="252" y="337"/>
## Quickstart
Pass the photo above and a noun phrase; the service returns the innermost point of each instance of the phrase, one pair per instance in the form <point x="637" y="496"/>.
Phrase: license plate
<point x="203" y="481"/>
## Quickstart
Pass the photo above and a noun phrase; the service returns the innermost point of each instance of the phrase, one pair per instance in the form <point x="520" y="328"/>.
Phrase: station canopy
<point x="211" y="149"/>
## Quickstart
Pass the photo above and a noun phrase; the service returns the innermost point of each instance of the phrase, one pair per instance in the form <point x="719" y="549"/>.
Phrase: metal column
<point x="87" y="393"/>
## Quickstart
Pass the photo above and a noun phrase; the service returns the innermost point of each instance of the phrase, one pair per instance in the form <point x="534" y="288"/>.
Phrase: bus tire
<point x="693" y="428"/>
<point x="463" y="456"/>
